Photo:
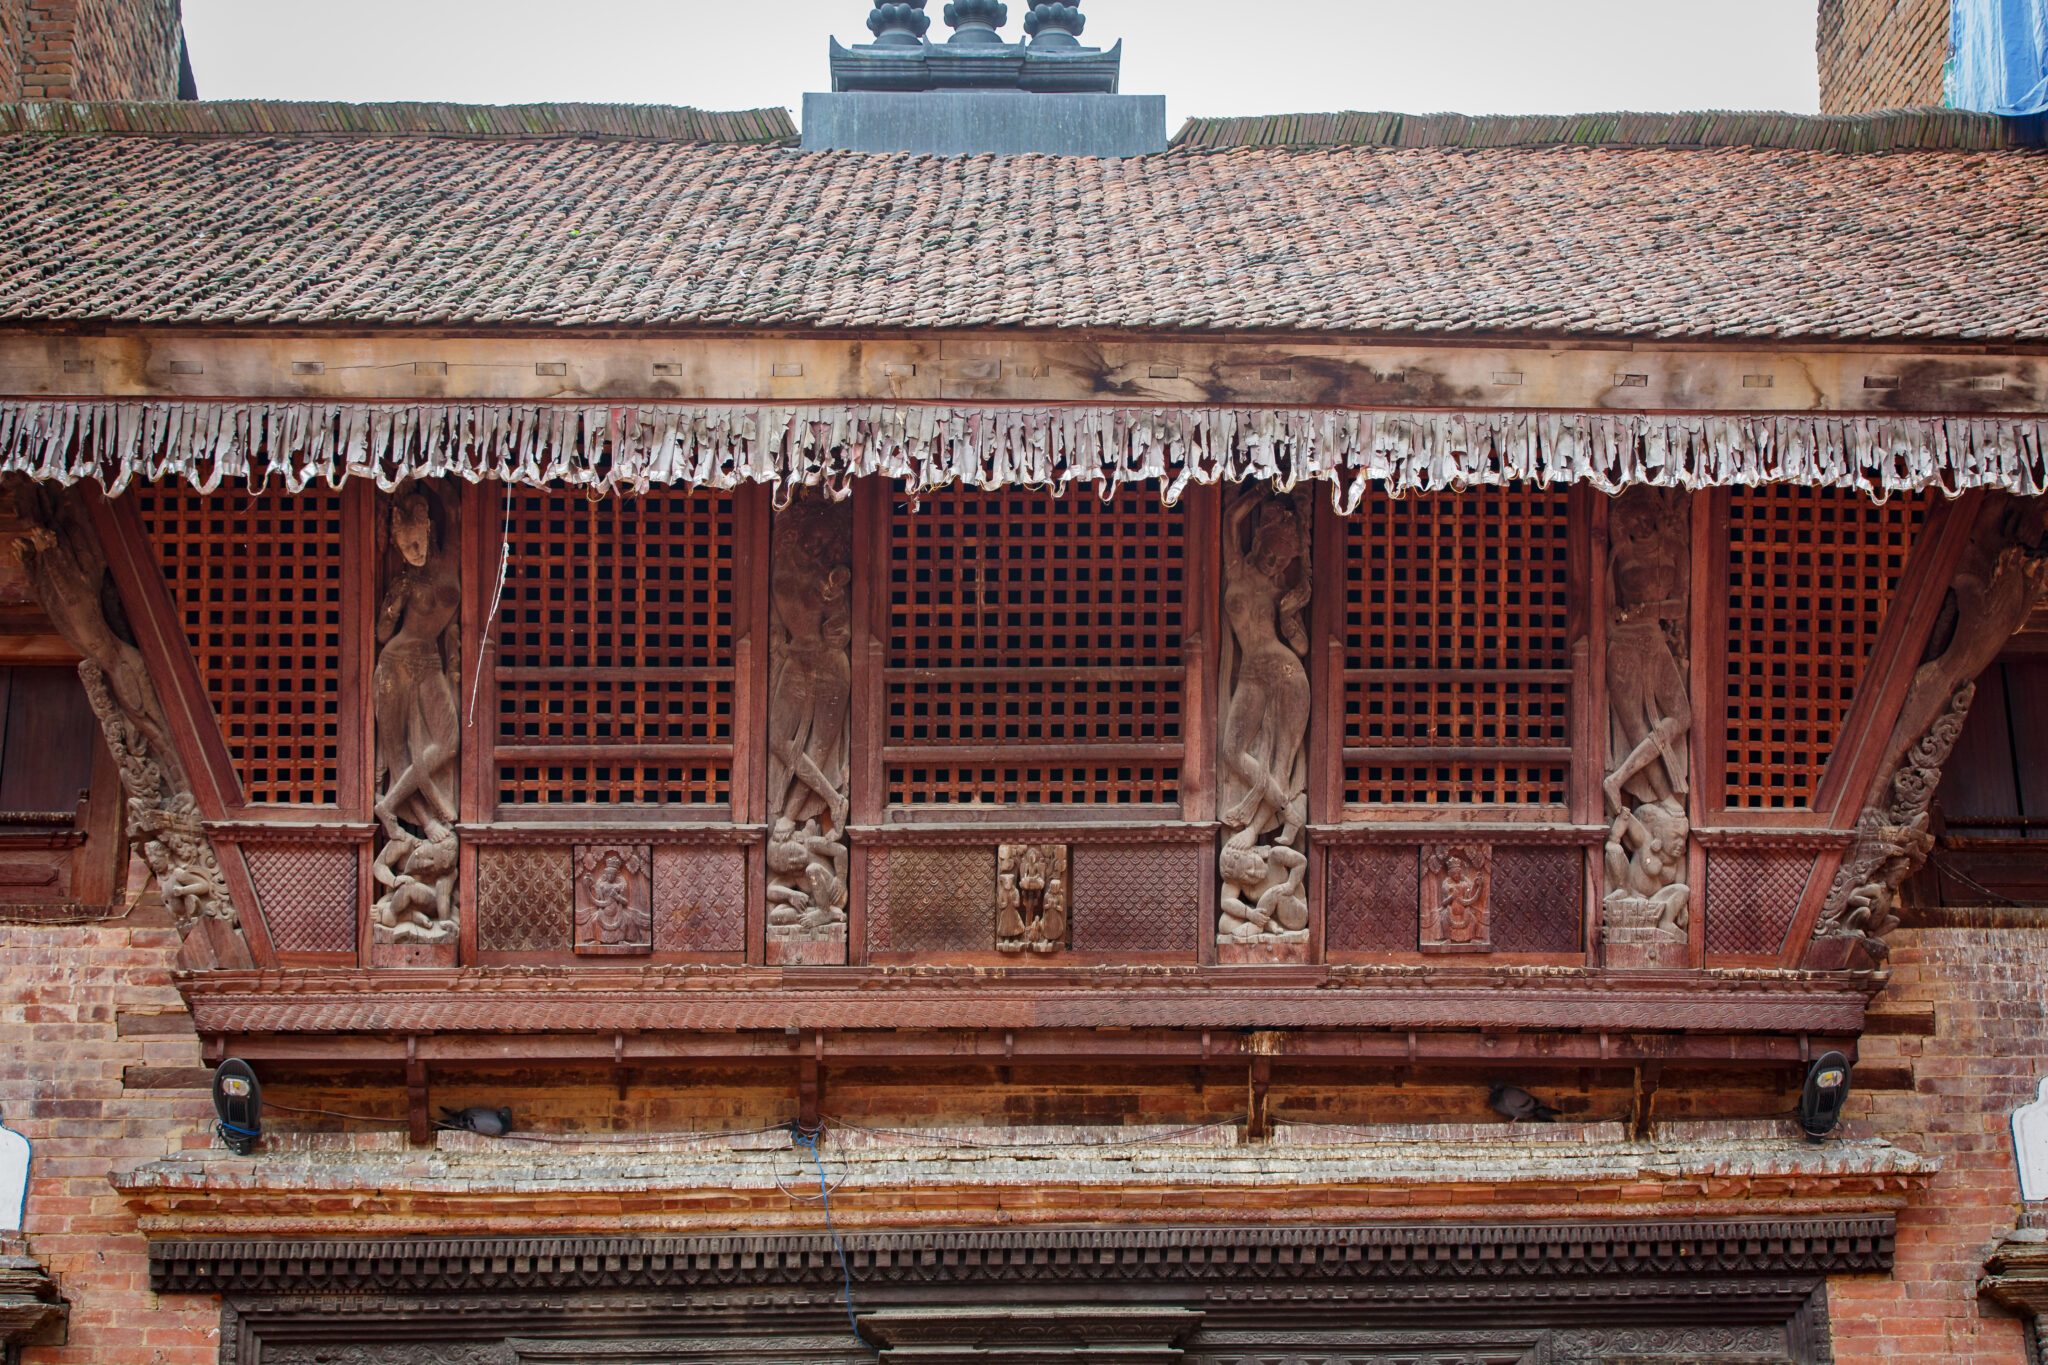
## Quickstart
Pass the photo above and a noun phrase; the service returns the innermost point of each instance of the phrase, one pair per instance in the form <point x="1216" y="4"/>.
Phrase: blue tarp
<point x="1998" y="56"/>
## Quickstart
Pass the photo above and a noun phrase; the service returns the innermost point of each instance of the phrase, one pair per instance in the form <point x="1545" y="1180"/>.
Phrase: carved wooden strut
<point x="810" y="694"/>
<point x="68" y="570"/>
<point x="1645" y="911"/>
<point x="2001" y="577"/>
<point x="1263" y="730"/>
<point x="414" y="689"/>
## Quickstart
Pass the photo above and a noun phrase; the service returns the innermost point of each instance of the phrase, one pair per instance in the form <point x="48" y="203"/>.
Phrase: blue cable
<point x="799" y="1136"/>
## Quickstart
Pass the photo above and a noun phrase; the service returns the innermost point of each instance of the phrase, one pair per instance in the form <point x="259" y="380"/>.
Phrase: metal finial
<point x="1055" y="25"/>
<point x="899" y="23"/>
<point x="974" y="22"/>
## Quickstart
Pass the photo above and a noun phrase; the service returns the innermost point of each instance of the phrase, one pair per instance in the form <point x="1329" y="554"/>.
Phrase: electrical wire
<point x="800" y="1136"/>
<point x="332" y="1114"/>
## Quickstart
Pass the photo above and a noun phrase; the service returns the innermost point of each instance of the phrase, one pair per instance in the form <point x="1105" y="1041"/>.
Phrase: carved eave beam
<point x="32" y="1312"/>
<point x="2016" y="1277"/>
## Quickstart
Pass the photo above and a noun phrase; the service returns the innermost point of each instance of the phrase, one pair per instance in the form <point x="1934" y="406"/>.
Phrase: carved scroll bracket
<point x="2000" y="578"/>
<point x="810" y="664"/>
<point x="1645" y="912"/>
<point x="414" y="689"/>
<point x="68" y="570"/>
<point x="1262" y="768"/>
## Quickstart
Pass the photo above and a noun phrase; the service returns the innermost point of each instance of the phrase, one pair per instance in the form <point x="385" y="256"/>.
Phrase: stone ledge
<point x="314" y="1184"/>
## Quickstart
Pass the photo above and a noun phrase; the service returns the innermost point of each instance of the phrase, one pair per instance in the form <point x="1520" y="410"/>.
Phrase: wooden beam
<point x="440" y="366"/>
<point x="991" y="1047"/>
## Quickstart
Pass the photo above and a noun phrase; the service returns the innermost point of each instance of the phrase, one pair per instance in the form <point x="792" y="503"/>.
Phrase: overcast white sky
<point x="1207" y="57"/>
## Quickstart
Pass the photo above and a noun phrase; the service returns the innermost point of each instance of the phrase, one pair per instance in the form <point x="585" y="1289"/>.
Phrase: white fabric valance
<point x="632" y="448"/>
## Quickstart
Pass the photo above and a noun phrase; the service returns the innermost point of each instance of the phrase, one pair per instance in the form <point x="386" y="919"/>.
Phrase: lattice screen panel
<point x="1035" y="649"/>
<point x="1456" y="663"/>
<point x="1752" y="898"/>
<point x="614" y="669"/>
<point x="1136" y="899"/>
<point x="1374" y="900"/>
<point x="938" y="900"/>
<point x="1538" y="897"/>
<point x="308" y="895"/>
<point x="1811" y="572"/>
<point x="256" y="580"/>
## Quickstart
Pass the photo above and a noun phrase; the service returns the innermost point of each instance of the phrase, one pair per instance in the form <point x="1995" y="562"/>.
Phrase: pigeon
<point x="477" y="1119"/>
<point x="1517" y="1104"/>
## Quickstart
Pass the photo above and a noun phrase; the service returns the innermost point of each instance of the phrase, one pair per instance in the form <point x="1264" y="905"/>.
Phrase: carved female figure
<point x="1265" y="719"/>
<point x="811" y="671"/>
<point x="1649" y="706"/>
<point x="1645" y="860"/>
<point x="413" y="687"/>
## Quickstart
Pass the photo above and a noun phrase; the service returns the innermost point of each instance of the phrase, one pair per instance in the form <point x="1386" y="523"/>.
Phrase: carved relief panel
<point x="810" y="693"/>
<point x="614" y="903"/>
<point x="414" y="688"/>
<point x="1033" y="887"/>
<point x="1263" y="694"/>
<point x="1456" y="891"/>
<point x="1645" y="911"/>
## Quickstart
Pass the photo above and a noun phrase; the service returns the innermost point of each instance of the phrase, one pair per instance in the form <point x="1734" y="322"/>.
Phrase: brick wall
<point x="1986" y="1055"/>
<point x="11" y="24"/>
<point x="61" y="993"/>
<point x="90" y="49"/>
<point x="1881" y="54"/>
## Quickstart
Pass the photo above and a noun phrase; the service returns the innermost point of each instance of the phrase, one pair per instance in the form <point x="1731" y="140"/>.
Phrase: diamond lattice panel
<point x="1752" y="899"/>
<point x="1135" y="900"/>
<point x="941" y="900"/>
<point x="256" y="581"/>
<point x="525" y="900"/>
<point x="1454" y="638"/>
<point x="1811" y="572"/>
<point x="1025" y="622"/>
<point x="308" y="896"/>
<point x="615" y="650"/>
<point x="1537" y="900"/>
<point x="1374" y="899"/>
<point x="700" y="900"/>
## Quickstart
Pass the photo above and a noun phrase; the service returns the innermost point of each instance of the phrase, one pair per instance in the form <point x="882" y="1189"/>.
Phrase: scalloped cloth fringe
<point x="621" y="449"/>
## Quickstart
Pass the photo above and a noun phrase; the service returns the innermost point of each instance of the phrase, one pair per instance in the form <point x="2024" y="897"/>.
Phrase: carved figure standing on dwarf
<point x="1263" y="769"/>
<point x="414" y="695"/>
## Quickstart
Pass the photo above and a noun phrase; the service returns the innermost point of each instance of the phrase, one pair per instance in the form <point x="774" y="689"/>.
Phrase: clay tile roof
<point x="580" y="226"/>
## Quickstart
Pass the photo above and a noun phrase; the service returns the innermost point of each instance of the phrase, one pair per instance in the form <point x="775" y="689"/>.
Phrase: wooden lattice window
<point x="1457" y="670"/>
<point x="256" y="580"/>
<point x="615" y="662"/>
<point x="1811" y="572"/>
<point x="1035" y="649"/>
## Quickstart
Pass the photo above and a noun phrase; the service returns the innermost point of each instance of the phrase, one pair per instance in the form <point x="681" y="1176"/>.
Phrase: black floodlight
<point x="1827" y="1090"/>
<point x="238" y="1102"/>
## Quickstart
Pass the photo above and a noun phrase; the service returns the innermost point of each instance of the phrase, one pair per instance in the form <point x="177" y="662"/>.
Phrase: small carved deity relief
<point x="1645" y="912"/>
<point x="1032" y="898"/>
<point x="1456" y="888"/>
<point x="413" y="690"/>
<point x="810" y="690"/>
<point x="1262" y="769"/>
<point x="614" y="914"/>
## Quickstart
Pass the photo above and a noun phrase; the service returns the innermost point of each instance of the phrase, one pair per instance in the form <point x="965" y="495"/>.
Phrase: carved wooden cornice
<point x="1040" y="831"/>
<point x="1775" y="839"/>
<point x="1502" y="834"/>
<point x="1357" y="1255"/>
<point x="730" y="999"/>
<point x="528" y="835"/>
<point x="297" y="832"/>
